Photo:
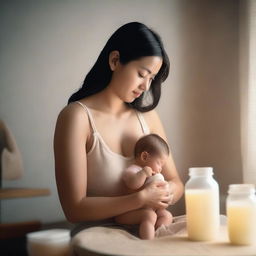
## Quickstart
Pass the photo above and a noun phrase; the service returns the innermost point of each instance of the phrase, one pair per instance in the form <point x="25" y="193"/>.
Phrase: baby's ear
<point x="144" y="156"/>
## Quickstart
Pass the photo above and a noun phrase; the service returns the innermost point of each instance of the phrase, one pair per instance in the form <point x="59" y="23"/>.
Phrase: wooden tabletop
<point x="10" y="193"/>
<point x="96" y="241"/>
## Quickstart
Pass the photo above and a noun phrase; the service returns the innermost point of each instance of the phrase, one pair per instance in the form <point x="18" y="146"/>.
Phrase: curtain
<point x="247" y="57"/>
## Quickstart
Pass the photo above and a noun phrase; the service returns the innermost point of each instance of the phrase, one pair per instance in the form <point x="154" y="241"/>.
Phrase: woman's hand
<point x="156" y="195"/>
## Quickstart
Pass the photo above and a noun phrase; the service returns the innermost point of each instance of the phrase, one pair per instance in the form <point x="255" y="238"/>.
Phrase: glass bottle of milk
<point x="202" y="204"/>
<point x="241" y="213"/>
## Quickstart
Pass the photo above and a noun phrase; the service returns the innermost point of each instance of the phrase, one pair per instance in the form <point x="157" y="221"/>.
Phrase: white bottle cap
<point x="156" y="177"/>
<point x="200" y="171"/>
<point x="49" y="236"/>
<point x="241" y="188"/>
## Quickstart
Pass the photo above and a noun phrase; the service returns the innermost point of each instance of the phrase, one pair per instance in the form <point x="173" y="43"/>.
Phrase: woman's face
<point x="129" y="81"/>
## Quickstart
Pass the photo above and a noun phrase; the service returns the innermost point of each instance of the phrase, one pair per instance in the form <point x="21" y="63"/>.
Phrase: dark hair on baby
<point x="133" y="41"/>
<point x="153" y="144"/>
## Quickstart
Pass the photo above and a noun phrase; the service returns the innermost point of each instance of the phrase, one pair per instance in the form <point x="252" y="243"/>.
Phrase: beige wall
<point x="48" y="46"/>
<point x="200" y="108"/>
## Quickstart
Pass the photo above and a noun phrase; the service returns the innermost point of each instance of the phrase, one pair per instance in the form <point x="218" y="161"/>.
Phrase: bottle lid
<point x="200" y="171"/>
<point x="241" y="188"/>
<point x="49" y="236"/>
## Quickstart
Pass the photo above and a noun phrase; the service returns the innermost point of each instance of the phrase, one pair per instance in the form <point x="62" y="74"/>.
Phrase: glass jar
<point x="241" y="214"/>
<point x="52" y="242"/>
<point x="202" y="204"/>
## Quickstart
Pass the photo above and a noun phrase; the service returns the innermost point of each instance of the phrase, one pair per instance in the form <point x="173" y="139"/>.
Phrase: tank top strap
<point x="143" y="123"/>
<point x="89" y="116"/>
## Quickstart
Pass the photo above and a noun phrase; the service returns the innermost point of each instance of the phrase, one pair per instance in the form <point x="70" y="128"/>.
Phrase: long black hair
<point x="133" y="41"/>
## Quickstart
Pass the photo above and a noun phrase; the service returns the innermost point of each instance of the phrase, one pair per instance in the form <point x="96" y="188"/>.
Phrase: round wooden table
<point x="98" y="241"/>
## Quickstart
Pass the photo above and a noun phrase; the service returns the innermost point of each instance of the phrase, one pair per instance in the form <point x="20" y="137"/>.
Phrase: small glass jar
<point x="202" y="204"/>
<point x="52" y="242"/>
<point x="241" y="214"/>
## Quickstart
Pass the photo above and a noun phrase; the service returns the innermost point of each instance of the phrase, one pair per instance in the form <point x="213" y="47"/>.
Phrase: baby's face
<point x="156" y="162"/>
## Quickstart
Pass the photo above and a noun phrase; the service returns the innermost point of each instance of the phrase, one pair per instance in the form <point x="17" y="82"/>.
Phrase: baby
<point x="151" y="153"/>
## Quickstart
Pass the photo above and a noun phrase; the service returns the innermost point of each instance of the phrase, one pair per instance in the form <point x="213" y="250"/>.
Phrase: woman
<point x="96" y="132"/>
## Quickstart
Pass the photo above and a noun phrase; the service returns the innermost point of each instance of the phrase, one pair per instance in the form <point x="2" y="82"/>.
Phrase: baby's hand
<point x="148" y="171"/>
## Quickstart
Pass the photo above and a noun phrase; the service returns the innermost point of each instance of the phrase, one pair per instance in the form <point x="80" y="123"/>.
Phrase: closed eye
<point x="140" y="75"/>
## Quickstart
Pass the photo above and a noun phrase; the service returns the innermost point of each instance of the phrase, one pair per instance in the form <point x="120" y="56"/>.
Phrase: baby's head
<point x="151" y="150"/>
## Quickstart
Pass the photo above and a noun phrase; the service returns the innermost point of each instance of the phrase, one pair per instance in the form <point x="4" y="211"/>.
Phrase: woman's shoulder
<point x="152" y="119"/>
<point x="151" y="116"/>
<point x="73" y="113"/>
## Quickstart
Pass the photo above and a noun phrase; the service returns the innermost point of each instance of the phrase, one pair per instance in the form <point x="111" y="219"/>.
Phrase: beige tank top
<point x="105" y="167"/>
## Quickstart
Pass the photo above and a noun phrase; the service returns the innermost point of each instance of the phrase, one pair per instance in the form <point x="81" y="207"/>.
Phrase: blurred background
<point x="47" y="47"/>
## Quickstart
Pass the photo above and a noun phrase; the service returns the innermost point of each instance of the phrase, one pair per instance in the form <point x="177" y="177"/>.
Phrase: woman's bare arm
<point x="169" y="170"/>
<point x="71" y="135"/>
